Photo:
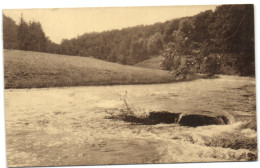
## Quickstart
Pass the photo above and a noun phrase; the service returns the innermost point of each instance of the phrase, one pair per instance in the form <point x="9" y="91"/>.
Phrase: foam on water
<point x="72" y="123"/>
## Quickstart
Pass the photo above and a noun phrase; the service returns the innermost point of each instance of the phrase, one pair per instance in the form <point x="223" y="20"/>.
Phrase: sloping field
<point x="27" y="69"/>
<point x="151" y="63"/>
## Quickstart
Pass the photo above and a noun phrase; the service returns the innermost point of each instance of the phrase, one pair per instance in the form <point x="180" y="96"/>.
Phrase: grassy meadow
<point x="27" y="69"/>
<point x="153" y="62"/>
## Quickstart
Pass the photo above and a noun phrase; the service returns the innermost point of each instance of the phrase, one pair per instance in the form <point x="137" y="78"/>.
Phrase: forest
<point x="213" y="42"/>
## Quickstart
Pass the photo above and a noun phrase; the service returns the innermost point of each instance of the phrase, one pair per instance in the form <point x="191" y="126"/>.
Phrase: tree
<point x="180" y="47"/>
<point x="138" y="50"/>
<point x="23" y="35"/>
<point x="170" y="26"/>
<point x="209" y="36"/>
<point x="171" y="60"/>
<point x="37" y="38"/>
<point x="9" y="33"/>
<point x="186" y="26"/>
<point x="155" y="44"/>
<point x="233" y="32"/>
<point x="201" y="23"/>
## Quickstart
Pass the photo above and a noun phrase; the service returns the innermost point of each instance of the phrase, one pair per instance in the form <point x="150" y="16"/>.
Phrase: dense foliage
<point x="10" y="31"/>
<point x="25" y="36"/>
<point x="220" y="41"/>
<point x="214" y="42"/>
<point x="126" y="46"/>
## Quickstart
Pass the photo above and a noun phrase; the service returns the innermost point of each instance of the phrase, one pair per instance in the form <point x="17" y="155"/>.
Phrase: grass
<point x="153" y="62"/>
<point x="128" y="113"/>
<point x="27" y="69"/>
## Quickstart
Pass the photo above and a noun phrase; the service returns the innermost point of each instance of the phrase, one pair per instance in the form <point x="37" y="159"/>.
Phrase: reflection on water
<point x="68" y="126"/>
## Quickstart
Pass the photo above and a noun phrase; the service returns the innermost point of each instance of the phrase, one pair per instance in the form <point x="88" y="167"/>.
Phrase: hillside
<point x="153" y="62"/>
<point x="27" y="69"/>
<point x="226" y="35"/>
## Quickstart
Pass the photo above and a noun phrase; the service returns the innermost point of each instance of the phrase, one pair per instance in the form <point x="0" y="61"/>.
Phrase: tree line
<point x="26" y="36"/>
<point x="217" y="41"/>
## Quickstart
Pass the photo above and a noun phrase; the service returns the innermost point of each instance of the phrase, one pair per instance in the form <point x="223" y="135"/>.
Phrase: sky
<point x="68" y="23"/>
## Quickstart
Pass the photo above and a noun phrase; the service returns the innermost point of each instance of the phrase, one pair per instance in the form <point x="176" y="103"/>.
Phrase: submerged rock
<point x="164" y="117"/>
<point x="191" y="120"/>
<point x="194" y="120"/>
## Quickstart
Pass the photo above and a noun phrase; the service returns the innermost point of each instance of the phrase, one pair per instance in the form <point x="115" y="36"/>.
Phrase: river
<point x="71" y="125"/>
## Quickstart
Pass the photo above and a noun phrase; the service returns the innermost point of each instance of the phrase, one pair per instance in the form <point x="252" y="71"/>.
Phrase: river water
<point x="70" y="126"/>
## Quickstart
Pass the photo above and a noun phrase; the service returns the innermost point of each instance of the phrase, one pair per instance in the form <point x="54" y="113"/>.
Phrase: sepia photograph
<point x="129" y="85"/>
